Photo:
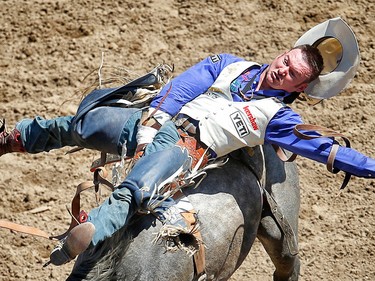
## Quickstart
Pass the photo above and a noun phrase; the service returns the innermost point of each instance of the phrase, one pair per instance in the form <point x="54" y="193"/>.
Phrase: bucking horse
<point x="254" y="195"/>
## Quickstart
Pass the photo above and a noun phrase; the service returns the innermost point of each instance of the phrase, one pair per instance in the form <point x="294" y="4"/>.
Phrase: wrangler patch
<point x="240" y="124"/>
<point x="251" y="118"/>
<point x="215" y="58"/>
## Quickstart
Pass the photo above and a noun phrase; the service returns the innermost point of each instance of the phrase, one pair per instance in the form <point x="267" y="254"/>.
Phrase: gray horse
<point x="232" y="212"/>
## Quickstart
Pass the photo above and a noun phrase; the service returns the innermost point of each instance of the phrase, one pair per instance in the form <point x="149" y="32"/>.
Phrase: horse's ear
<point x="291" y="98"/>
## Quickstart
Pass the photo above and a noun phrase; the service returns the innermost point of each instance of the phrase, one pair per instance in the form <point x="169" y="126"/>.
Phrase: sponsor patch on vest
<point x="251" y="118"/>
<point x="215" y="58"/>
<point x="240" y="124"/>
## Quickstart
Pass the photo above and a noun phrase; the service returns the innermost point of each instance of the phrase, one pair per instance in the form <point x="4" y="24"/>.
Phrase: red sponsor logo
<point x="251" y="118"/>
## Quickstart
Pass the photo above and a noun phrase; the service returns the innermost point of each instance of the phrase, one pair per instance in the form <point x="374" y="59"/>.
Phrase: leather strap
<point x="331" y="157"/>
<point x="75" y="212"/>
<point x="199" y="257"/>
<point x="325" y="132"/>
<point x="157" y="108"/>
<point x="281" y="154"/>
<point x="99" y="178"/>
<point x="24" y="229"/>
<point x="189" y="127"/>
<point x="151" y="122"/>
<point x="290" y="236"/>
<point x="148" y="121"/>
<point x="104" y="160"/>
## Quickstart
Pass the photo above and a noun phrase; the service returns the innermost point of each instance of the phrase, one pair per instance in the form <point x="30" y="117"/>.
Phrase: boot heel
<point x="76" y="242"/>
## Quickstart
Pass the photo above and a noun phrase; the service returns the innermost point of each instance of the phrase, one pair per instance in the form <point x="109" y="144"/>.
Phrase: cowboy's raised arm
<point x="280" y="132"/>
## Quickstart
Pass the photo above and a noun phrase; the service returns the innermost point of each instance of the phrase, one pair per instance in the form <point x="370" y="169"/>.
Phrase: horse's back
<point x="229" y="205"/>
<point x="228" y="202"/>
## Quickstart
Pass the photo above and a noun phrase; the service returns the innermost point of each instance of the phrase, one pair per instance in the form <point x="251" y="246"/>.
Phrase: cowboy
<point x="225" y="102"/>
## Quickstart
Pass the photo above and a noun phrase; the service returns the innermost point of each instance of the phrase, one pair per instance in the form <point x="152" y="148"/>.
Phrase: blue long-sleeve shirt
<point x="199" y="78"/>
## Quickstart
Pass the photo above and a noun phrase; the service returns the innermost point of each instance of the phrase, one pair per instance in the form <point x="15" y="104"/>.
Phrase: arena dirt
<point x="48" y="46"/>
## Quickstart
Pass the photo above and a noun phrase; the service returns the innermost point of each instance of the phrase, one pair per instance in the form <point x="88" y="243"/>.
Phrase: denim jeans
<point x="104" y="129"/>
<point x="161" y="160"/>
<point x="44" y="135"/>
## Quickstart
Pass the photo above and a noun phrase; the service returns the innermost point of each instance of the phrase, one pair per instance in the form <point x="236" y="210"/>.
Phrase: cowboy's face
<point x="288" y="72"/>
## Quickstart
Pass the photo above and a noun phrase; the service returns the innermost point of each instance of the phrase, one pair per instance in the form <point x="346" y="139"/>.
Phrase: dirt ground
<point x="48" y="46"/>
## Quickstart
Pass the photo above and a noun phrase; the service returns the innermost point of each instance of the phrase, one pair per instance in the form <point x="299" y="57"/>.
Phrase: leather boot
<point x="76" y="242"/>
<point x="10" y="141"/>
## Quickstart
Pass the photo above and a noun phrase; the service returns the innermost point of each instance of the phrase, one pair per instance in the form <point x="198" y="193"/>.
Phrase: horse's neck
<point x="253" y="159"/>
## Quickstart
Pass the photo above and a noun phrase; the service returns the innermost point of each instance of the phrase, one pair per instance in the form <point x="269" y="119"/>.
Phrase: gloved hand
<point x="144" y="136"/>
<point x="147" y="132"/>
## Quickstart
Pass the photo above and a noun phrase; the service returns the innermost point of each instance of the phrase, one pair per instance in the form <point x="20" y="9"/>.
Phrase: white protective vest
<point x="226" y="125"/>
